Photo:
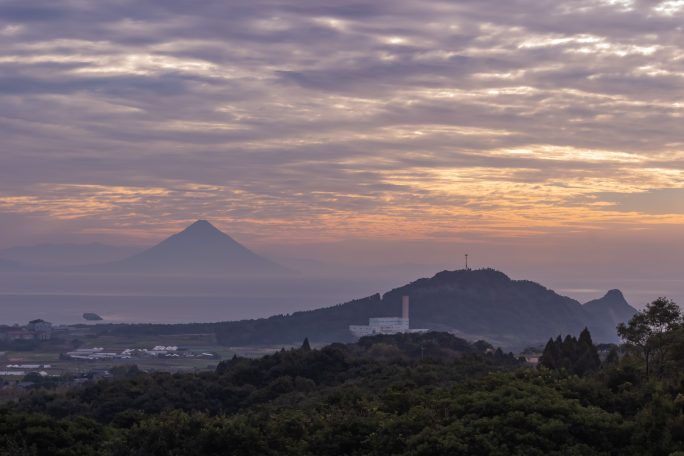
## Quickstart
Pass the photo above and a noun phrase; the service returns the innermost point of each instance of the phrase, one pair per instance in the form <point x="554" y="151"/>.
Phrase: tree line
<point x="406" y="394"/>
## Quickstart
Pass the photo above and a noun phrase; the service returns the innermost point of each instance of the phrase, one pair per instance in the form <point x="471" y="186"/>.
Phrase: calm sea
<point x="65" y="309"/>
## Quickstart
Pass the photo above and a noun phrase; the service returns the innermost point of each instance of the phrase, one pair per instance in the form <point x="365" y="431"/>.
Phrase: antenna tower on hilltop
<point x="467" y="268"/>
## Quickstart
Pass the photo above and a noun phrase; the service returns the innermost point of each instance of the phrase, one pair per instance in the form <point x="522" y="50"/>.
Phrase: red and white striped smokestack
<point x="405" y="307"/>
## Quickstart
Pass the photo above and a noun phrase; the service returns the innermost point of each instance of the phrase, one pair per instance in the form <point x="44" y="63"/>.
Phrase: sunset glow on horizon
<point x="300" y="122"/>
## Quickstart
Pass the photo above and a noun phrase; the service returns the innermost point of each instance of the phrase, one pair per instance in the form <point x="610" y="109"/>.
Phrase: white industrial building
<point x="386" y="325"/>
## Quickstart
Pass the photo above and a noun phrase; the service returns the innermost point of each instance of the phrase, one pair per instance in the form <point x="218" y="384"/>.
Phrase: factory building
<point x="386" y="325"/>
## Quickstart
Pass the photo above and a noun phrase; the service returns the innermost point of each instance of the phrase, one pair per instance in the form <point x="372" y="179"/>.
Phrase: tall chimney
<point x="405" y="307"/>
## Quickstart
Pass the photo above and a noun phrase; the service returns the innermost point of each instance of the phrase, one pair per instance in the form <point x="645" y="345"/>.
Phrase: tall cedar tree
<point x="574" y="355"/>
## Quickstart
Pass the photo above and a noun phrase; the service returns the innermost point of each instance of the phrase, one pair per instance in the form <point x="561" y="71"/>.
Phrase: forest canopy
<point x="405" y="394"/>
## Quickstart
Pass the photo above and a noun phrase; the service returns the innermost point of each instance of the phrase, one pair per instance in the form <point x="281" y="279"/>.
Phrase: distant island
<point x="91" y="316"/>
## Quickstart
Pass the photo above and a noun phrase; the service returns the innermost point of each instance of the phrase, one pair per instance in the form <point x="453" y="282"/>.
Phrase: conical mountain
<point x="200" y="248"/>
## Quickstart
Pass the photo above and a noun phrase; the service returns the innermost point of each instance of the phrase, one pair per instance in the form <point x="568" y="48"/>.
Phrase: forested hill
<point x="294" y="402"/>
<point x="427" y="394"/>
<point x="479" y="304"/>
<point x="487" y="304"/>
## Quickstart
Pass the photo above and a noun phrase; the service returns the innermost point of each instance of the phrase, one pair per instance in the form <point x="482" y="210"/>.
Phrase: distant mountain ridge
<point x="488" y="303"/>
<point x="199" y="249"/>
<point x="613" y="308"/>
<point x="70" y="254"/>
<point x="475" y="304"/>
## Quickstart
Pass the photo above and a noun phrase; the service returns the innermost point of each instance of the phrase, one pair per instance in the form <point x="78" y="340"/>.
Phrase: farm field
<point x="49" y="355"/>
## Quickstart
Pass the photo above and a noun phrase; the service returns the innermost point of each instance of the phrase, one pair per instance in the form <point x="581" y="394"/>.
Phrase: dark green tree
<point x="578" y="356"/>
<point x="650" y="331"/>
<point x="551" y="357"/>
<point x="587" y="356"/>
<point x="613" y="357"/>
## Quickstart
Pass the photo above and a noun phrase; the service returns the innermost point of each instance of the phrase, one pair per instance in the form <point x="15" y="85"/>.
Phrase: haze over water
<point x="367" y="143"/>
<point x="213" y="300"/>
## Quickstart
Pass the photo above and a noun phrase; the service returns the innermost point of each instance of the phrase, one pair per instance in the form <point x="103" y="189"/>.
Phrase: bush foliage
<point x="408" y="394"/>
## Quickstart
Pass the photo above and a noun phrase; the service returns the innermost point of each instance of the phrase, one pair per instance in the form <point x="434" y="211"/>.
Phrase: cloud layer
<point x="300" y="120"/>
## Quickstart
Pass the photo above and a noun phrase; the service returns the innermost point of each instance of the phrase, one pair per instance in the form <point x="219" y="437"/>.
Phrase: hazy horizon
<point x="333" y="273"/>
<point x="370" y="142"/>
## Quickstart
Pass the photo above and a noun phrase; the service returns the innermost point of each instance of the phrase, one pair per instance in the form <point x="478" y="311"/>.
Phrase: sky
<point x="398" y="130"/>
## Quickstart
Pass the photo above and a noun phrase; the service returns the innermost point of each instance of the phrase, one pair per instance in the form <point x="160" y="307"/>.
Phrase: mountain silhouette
<point x="475" y="304"/>
<point x="56" y="255"/>
<point x="199" y="249"/>
<point x="610" y="310"/>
